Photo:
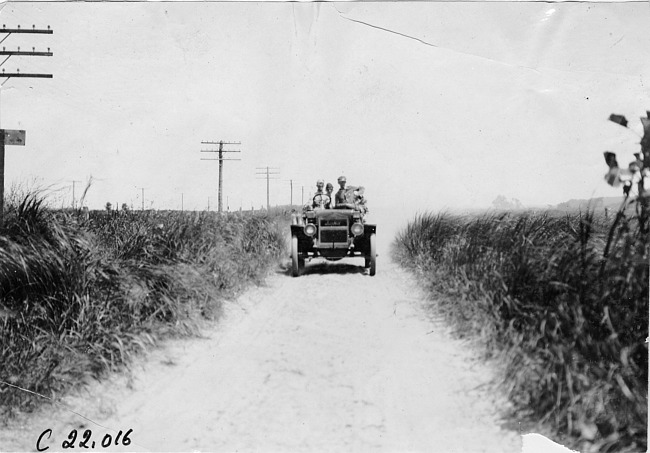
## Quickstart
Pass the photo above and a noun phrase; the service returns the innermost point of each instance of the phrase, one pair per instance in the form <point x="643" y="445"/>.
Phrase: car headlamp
<point x="357" y="229"/>
<point x="310" y="229"/>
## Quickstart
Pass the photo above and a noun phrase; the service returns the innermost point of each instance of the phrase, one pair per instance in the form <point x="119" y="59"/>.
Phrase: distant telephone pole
<point x="16" y="137"/>
<point x="290" y="181"/>
<point x="74" y="200"/>
<point x="268" y="173"/>
<point x="220" y="159"/>
<point x="142" y="188"/>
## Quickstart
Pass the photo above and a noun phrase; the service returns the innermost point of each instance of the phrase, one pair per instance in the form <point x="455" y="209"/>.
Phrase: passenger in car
<point x="329" y="188"/>
<point x="340" y="198"/>
<point x="350" y="197"/>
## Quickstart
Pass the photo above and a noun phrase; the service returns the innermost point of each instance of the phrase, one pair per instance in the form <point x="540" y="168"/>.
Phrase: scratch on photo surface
<point x="67" y="409"/>
<point x="404" y="35"/>
<point x="55" y="402"/>
<point x="537" y="70"/>
<point x="384" y="29"/>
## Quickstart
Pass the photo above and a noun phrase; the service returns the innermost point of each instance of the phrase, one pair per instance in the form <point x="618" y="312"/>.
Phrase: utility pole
<point x="16" y="137"/>
<point x="290" y="181"/>
<point x="142" y="188"/>
<point x="182" y="201"/>
<point x="220" y="159"/>
<point x="74" y="200"/>
<point x="268" y="173"/>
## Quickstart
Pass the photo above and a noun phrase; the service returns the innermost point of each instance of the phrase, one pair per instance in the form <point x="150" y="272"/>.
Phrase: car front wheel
<point x="295" y="262"/>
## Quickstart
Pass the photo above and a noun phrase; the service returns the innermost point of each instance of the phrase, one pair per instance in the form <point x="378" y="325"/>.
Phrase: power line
<point x="220" y="159"/>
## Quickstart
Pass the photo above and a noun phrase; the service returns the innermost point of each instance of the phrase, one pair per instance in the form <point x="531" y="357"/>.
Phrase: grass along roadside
<point x="566" y="314"/>
<point x="82" y="295"/>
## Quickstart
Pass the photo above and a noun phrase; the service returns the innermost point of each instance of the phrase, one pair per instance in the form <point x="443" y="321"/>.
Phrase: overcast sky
<point x="427" y="105"/>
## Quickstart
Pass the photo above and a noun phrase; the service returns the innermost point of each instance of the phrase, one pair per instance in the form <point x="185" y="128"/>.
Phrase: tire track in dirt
<point x="334" y="360"/>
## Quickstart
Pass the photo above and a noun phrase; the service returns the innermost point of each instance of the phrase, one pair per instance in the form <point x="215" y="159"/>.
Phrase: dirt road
<point x="334" y="360"/>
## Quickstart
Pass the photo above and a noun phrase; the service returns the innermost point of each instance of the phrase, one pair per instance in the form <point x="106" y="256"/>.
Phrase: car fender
<point x="362" y="243"/>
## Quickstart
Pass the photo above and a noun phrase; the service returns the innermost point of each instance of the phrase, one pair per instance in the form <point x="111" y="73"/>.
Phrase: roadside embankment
<point x="81" y="295"/>
<point x="561" y="301"/>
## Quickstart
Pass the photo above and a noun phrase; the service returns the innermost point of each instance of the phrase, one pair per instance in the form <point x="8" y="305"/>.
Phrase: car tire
<point x="373" y="255"/>
<point x="295" y="263"/>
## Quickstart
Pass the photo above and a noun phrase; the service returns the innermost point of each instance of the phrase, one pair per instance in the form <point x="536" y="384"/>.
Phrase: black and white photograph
<point x="357" y="226"/>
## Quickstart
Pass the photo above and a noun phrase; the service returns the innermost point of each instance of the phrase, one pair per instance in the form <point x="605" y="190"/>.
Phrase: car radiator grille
<point x="333" y="235"/>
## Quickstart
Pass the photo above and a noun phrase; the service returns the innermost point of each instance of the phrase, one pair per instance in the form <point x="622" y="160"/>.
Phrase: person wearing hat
<point x="350" y="197"/>
<point x="340" y="198"/>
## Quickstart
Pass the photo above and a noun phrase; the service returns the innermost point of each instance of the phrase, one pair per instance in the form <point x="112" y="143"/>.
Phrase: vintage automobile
<point x="332" y="234"/>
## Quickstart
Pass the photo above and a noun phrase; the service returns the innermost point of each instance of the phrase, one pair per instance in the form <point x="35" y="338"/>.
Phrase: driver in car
<point x="319" y="186"/>
<point x="320" y="200"/>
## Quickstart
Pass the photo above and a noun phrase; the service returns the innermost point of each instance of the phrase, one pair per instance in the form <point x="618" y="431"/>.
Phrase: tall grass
<point x="79" y="296"/>
<point x="566" y="313"/>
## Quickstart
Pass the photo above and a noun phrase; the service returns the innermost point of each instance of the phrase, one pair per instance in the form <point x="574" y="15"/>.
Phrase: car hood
<point x="334" y="213"/>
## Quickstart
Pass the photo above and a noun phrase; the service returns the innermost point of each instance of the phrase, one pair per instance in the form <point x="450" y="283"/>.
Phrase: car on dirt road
<point x="332" y="234"/>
